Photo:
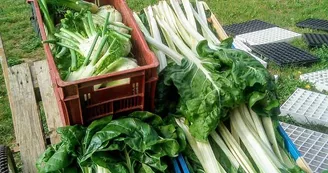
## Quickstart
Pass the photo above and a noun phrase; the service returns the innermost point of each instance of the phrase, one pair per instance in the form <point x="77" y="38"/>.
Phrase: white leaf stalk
<point x="201" y="12"/>
<point x="177" y="26"/>
<point x="192" y="57"/>
<point x="205" y="27"/>
<point x="235" y="149"/>
<point x="159" y="12"/>
<point x="268" y="126"/>
<point x="176" y="57"/>
<point x="202" y="150"/>
<point x="219" y="141"/>
<point x="188" y="9"/>
<point x="187" y="26"/>
<point x="259" y="127"/>
<point x="154" y="31"/>
<point x="254" y="147"/>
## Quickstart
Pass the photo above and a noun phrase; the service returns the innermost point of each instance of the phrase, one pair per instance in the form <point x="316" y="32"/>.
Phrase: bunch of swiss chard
<point x="224" y="99"/>
<point x="89" y="40"/>
<point x="140" y="142"/>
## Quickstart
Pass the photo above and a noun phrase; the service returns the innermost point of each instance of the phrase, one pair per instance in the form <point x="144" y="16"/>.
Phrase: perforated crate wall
<point x="270" y="35"/>
<point x="307" y="106"/>
<point x="312" y="145"/>
<point x="319" y="79"/>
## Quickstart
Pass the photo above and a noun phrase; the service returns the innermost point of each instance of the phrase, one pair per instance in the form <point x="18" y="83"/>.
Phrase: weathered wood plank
<point x="29" y="133"/>
<point x="48" y="99"/>
<point x="5" y="72"/>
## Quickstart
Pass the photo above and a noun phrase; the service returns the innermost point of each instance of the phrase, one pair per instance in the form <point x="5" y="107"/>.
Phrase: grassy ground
<point x="21" y="44"/>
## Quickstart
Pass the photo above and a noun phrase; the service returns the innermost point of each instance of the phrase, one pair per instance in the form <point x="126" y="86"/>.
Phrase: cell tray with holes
<point x="318" y="78"/>
<point x="311" y="23"/>
<point x="307" y="107"/>
<point x="313" y="146"/>
<point x="246" y="27"/>
<point x="270" y="35"/>
<point x="315" y="40"/>
<point x="284" y="54"/>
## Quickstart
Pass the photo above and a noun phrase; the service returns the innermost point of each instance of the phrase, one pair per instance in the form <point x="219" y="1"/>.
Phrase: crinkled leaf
<point x="94" y="127"/>
<point x="114" y="163"/>
<point x="222" y="80"/>
<point x="147" y="117"/>
<point x="138" y="135"/>
<point x="73" y="135"/>
<point x="59" y="160"/>
<point x="145" y="169"/>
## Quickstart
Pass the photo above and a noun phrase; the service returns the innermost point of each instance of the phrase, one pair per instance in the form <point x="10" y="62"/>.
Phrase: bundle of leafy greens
<point x="224" y="98"/>
<point x="140" y="142"/>
<point x="86" y="44"/>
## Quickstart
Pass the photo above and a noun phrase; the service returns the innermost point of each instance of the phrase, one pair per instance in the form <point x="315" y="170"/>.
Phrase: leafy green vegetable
<point x="225" y="79"/>
<point x="139" y="142"/>
<point x="60" y="156"/>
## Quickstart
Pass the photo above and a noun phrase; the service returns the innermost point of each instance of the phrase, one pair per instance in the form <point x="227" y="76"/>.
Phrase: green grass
<point x="21" y="44"/>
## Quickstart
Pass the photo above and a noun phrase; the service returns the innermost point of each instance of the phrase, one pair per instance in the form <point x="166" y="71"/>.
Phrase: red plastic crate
<point x="79" y="103"/>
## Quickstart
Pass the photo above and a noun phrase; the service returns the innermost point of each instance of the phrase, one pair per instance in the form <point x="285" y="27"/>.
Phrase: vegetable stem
<point x="62" y="52"/>
<point x="86" y="61"/>
<point x="128" y="161"/>
<point x="86" y="26"/>
<point x="105" y="25"/>
<point x="73" y="35"/>
<point x="91" y="24"/>
<point x="99" y="50"/>
<point x="73" y="60"/>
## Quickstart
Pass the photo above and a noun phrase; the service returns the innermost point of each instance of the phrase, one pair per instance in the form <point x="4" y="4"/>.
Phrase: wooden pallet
<point x="28" y="85"/>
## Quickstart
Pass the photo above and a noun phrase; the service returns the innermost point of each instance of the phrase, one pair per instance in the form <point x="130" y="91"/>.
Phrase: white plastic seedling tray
<point x="319" y="79"/>
<point x="312" y="145"/>
<point x="307" y="106"/>
<point x="270" y="35"/>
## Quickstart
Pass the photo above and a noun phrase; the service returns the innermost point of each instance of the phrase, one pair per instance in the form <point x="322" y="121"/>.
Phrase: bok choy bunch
<point x="88" y="41"/>
<point x="225" y="98"/>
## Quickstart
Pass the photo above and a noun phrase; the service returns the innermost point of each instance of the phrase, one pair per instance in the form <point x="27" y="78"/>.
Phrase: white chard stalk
<point x="202" y="150"/>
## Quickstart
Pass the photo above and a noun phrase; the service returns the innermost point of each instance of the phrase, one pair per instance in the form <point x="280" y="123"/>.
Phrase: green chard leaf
<point x="217" y="82"/>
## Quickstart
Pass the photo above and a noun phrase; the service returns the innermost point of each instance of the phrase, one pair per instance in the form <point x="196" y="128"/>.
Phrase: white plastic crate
<point x="307" y="106"/>
<point x="312" y="145"/>
<point x="270" y="35"/>
<point x="319" y="79"/>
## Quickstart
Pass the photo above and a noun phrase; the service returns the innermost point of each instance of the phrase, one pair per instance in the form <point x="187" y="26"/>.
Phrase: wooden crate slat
<point x="48" y="99"/>
<point x="29" y="133"/>
<point x="5" y="72"/>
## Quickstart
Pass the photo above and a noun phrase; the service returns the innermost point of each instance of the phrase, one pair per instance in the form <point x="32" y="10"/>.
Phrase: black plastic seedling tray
<point x="318" y="24"/>
<point x="316" y="40"/>
<point x="284" y="54"/>
<point x="246" y="27"/>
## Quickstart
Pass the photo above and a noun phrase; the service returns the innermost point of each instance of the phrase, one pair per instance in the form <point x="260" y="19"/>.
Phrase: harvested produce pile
<point x="88" y="41"/>
<point x="219" y="103"/>
<point x="223" y="99"/>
